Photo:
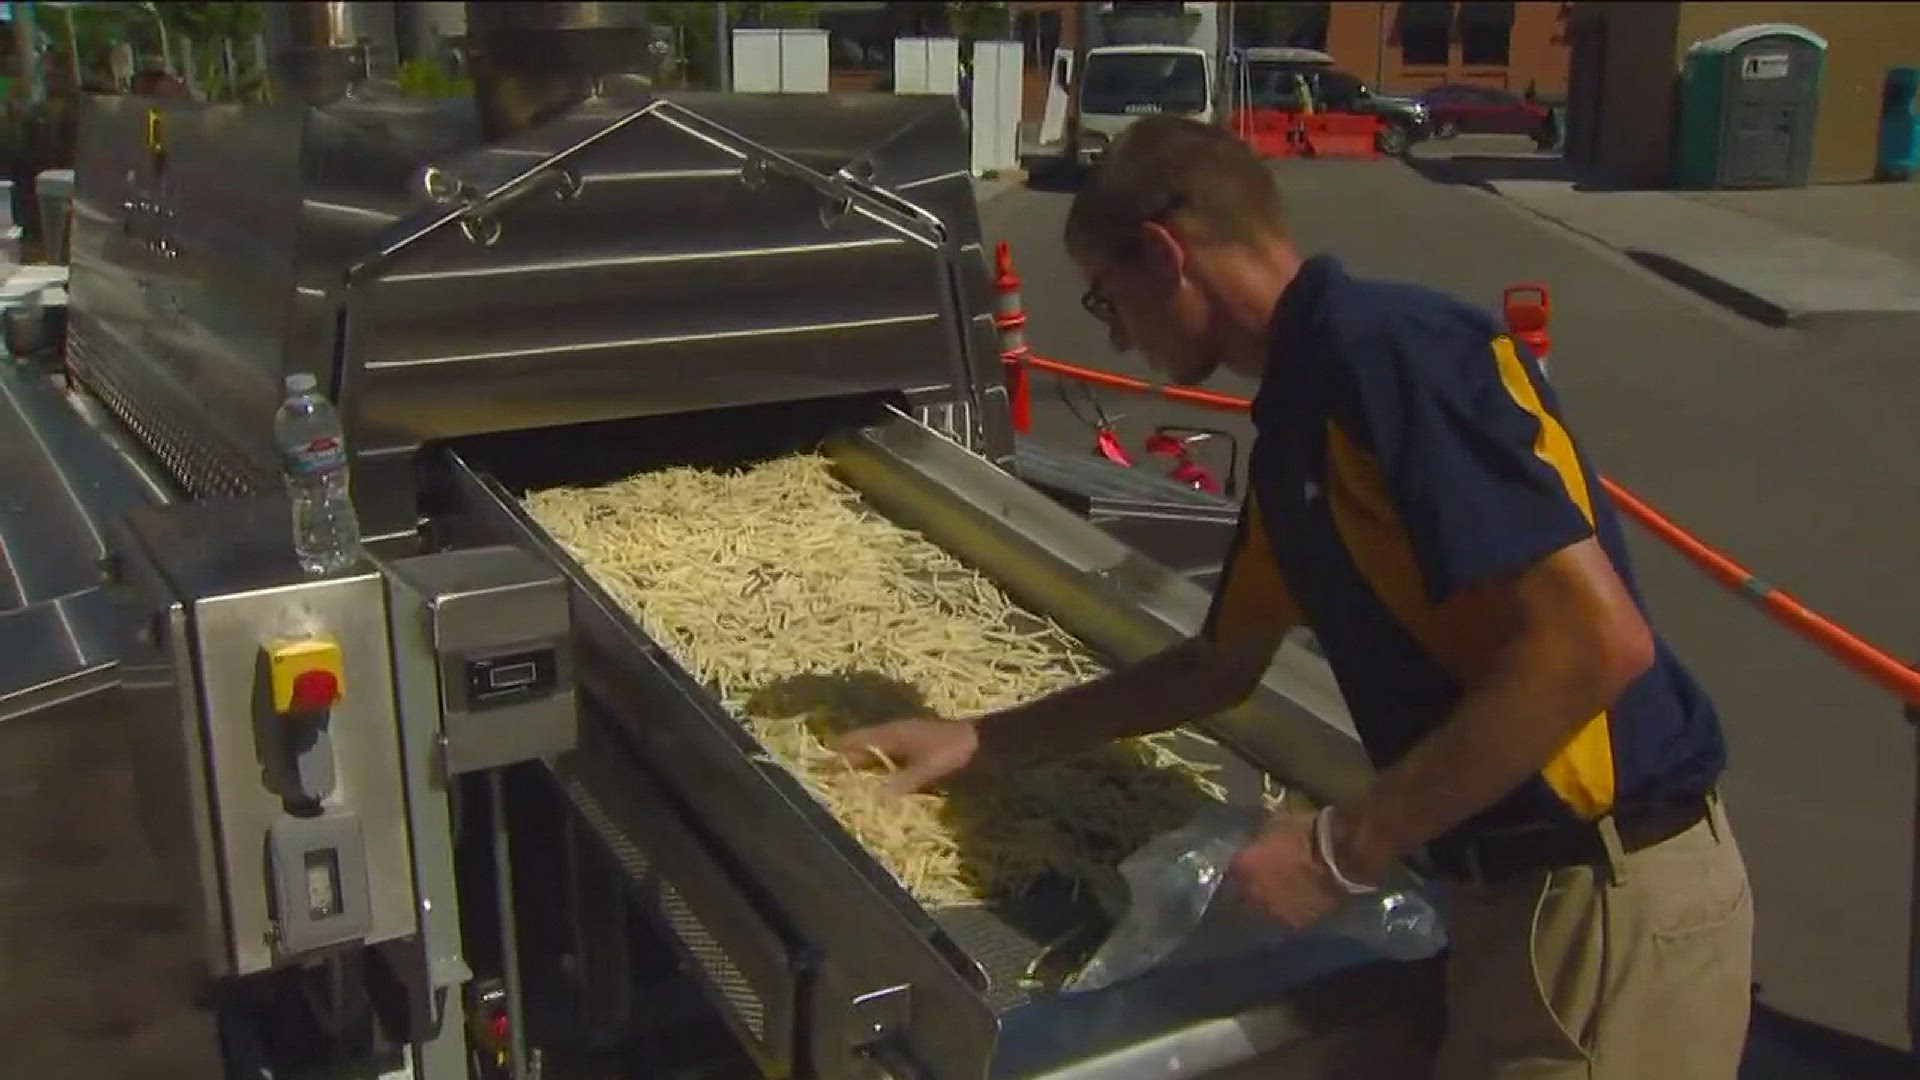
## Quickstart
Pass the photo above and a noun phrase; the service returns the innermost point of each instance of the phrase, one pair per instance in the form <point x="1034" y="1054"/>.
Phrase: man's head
<point x="1182" y="239"/>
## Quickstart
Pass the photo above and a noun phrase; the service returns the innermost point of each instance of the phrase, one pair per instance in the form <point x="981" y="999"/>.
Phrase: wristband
<point x="1323" y="850"/>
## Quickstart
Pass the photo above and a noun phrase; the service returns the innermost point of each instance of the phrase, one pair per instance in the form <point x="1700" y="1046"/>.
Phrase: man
<point x="1417" y="501"/>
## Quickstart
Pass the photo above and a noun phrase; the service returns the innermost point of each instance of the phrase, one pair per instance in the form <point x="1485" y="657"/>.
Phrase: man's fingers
<point x="910" y="780"/>
<point x="905" y="779"/>
<point x="868" y="750"/>
<point x="857" y="751"/>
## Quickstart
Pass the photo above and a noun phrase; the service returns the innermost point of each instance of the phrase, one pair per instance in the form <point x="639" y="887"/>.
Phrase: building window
<point x="1299" y="25"/>
<point x="1039" y="34"/>
<point x="1425" y="28"/>
<point x="1486" y="33"/>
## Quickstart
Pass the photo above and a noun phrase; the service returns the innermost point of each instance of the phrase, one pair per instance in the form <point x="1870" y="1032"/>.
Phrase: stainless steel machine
<point x="453" y="814"/>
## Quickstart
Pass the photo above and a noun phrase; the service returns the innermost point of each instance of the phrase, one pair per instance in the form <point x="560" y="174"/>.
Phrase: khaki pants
<point x="1638" y="971"/>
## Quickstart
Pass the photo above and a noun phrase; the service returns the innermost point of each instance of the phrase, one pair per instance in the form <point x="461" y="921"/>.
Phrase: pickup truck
<point x="1288" y="78"/>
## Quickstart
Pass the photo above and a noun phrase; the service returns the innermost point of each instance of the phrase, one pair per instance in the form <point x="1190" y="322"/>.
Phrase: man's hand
<point x="1279" y="875"/>
<point x="922" y="753"/>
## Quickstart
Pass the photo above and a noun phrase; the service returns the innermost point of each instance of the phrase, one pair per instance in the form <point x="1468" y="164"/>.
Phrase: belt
<point x="1641" y="824"/>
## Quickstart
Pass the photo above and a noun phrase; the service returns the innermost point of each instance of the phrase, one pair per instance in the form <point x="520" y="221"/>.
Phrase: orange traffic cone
<point x="1527" y="309"/>
<point x="1010" y="319"/>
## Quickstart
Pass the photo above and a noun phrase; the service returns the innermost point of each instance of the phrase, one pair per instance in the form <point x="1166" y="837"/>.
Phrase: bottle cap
<point x="301" y="382"/>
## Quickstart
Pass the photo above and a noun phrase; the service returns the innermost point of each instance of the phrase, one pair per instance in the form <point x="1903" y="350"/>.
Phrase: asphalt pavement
<point x="1791" y="450"/>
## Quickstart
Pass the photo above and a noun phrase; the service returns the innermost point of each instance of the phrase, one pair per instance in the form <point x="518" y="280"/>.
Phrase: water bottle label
<point x="323" y="454"/>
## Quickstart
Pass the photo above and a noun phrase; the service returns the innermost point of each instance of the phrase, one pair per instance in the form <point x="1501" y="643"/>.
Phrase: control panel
<point x="319" y="866"/>
<point x="498" y="627"/>
<point x="271" y="760"/>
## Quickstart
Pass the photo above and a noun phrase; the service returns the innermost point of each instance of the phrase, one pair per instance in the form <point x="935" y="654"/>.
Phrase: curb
<point x="1756" y="307"/>
<point x="1003" y="181"/>
<point x="1716" y="290"/>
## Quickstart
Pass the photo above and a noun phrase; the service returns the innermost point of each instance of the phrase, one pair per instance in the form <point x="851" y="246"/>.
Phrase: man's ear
<point x="1162" y="250"/>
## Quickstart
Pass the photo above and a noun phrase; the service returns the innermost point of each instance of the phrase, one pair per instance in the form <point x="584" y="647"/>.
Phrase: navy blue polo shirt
<point x="1409" y="449"/>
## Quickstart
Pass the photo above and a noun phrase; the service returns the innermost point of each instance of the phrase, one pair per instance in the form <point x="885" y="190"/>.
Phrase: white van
<point x="1119" y="84"/>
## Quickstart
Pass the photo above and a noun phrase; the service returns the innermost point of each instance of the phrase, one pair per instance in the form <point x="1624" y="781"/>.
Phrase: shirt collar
<point x="1292" y="322"/>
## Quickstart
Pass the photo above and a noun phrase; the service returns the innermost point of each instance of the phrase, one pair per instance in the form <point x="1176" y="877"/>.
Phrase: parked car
<point x="1274" y="78"/>
<point x="1480" y="110"/>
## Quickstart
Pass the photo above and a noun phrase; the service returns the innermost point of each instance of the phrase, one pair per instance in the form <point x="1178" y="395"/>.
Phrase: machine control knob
<point x="314" y="690"/>
<point x="307" y="675"/>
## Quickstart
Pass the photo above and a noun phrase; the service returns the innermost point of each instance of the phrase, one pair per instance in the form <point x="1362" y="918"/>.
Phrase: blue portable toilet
<point x="1899" y="126"/>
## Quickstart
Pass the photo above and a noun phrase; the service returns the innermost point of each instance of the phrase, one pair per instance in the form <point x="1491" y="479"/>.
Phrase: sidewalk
<point x="1839" y="253"/>
<point x="1760" y="253"/>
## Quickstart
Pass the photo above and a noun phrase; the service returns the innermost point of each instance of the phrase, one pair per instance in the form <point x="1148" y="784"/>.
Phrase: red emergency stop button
<point x="314" y="691"/>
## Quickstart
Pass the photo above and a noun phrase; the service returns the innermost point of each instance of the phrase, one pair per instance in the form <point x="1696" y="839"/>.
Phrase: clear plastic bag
<point x="1173" y="906"/>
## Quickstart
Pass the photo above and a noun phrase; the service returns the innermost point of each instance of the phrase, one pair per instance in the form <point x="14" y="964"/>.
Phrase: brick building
<point x="1395" y="46"/>
<point x="1622" y="109"/>
<point x="1422" y="43"/>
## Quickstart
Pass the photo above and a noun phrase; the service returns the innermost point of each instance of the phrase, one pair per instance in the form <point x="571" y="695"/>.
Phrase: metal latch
<point x="879" y="1030"/>
<point x="880" y="1015"/>
<point x="480" y="213"/>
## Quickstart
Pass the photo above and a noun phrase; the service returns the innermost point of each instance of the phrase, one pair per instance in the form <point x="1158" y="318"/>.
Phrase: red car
<point x="1478" y="110"/>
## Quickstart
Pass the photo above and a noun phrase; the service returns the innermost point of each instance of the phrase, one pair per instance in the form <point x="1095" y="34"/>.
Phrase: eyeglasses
<point x="1098" y="305"/>
<point x="1095" y="299"/>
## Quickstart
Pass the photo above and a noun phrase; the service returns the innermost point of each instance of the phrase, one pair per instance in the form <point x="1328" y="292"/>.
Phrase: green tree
<point x="425" y="77"/>
<point x="692" y="26"/>
<point x="210" y="21"/>
<point x="98" y="27"/>
<point x="980" y="21"/>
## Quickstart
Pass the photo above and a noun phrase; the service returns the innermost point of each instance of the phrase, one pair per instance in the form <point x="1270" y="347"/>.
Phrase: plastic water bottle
<point x="1398" y="925"/>
<point x="326" y="533"/>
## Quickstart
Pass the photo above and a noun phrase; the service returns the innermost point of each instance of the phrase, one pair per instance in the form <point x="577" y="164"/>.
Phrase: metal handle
<point x="481" y="229"/>
<point x="442" y="186"/>
<point x="835" y="211"/>
<point x="480" y="220"/>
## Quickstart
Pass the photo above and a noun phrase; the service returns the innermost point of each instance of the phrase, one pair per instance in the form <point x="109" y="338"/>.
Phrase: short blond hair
<point x="1165" y="167"/>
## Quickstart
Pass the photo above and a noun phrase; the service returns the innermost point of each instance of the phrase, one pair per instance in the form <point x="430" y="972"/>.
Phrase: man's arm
<point x="1543" y="635"/>
<point x="1188" y="682"/>
<point x="1250" y="616"/>
<point x="1572" y="640"/>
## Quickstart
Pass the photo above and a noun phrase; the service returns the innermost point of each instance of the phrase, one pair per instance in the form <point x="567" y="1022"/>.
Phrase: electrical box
<point x="266" y="743"/>
<point x="496" y="629"/>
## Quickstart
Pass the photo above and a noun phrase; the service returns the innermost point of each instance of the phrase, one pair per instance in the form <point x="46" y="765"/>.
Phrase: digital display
<point x="513" y="676"/>
<point x="323" y="883"/>
<point x="493" y="681"/>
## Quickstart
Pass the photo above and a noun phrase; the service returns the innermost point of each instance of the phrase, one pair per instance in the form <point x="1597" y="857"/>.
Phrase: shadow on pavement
<point x="1783" y="1047"/>
<point x="1054" y="176"/>
<point x="1724" y="293"/>
<point x="1484" y="170"/>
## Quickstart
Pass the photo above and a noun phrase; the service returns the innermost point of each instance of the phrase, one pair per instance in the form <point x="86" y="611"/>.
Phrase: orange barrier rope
<point x="1206" y="399"/>
<point x="1862" y="657"/>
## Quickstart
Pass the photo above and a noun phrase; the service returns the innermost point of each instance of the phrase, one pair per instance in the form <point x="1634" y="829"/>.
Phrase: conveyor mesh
<point x="1030" y="945"/>
<point x="1024" y="945"/>
<point x="722" y="974"/>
